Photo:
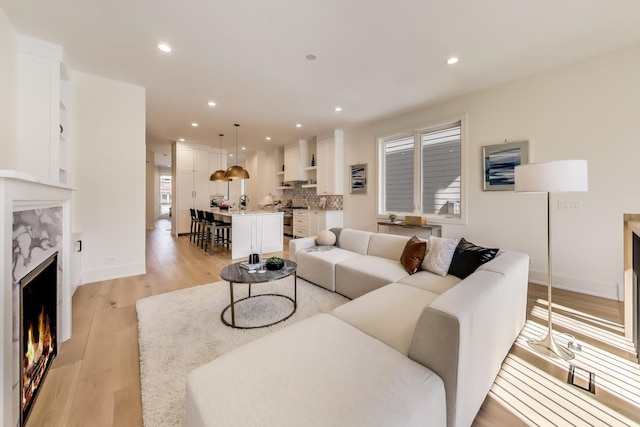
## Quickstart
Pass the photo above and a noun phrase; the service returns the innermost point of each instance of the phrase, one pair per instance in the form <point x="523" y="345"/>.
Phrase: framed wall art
<point x="358" y="179"/>
<point x="499" y="163"/>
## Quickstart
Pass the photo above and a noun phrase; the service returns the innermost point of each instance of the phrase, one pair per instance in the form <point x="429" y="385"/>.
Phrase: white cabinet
<point x="310" y="223"/>
<point x="295" y="161"/>
<point x="256" y="233"/>
<point x="330" y="170"/>
<point x="39" y="106"/>
<point x="300" y="223"/>
<point x="191" y="184"/>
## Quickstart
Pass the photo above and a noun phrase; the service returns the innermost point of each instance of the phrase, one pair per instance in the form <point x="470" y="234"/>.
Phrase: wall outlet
<point x="569" y="204"/>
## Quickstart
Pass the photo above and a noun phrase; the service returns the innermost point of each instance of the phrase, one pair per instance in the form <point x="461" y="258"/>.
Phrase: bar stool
<point x="209" y="232"/>
<point x="194" y="225"/>
<point x="223" y="231"/>
<point x="201" y="225"/>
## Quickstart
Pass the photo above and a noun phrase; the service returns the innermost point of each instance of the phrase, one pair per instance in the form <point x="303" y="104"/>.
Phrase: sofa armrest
<point x="296" y="245"/>
<point x="465" y="334"/>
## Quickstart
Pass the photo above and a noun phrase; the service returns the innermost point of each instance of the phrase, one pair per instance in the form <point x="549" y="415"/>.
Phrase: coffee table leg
<point x="295" y="290"/>
<point x="233" y="311"/>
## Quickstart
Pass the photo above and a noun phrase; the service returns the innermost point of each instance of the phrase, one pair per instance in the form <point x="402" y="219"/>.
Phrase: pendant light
<point x="236" y="171"/>
<point x="218" y="175"/>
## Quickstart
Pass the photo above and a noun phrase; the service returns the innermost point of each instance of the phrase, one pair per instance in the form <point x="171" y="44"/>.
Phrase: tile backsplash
<point x="307" y="197"/>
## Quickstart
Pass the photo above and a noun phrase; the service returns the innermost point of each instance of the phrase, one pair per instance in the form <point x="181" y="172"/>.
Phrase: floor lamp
<point x="551" y="177"/>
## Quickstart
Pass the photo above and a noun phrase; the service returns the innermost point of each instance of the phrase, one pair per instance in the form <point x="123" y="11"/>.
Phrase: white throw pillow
<point x="325" y="238"/>
<point x="439" y="255"/>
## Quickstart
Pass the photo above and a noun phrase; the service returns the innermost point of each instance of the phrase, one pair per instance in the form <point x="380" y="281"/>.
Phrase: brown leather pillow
<point x="413" y="254"/>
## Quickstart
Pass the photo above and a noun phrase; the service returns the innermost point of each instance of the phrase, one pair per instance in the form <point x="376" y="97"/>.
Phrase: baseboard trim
<point x="113" y="272"/>
<point x="578" y="284"/>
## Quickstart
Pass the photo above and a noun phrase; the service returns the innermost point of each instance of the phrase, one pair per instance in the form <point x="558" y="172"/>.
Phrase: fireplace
<point x="38" y="330"/>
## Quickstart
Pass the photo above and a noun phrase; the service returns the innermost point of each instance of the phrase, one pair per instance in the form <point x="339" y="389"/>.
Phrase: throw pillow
<point x="413" y="254"/>
<point x="325" y="238"/>
<point x="439" y="255"/>
<point x="468" y="257"/>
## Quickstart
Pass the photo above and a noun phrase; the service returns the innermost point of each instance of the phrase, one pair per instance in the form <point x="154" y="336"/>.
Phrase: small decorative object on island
<point x="313" y="160"/>
<point x="392" y="217"/>
<point x="275" y="263"/>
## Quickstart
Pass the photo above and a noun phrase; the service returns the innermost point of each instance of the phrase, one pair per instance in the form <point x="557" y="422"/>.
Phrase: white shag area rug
<point x="181" y="330"/>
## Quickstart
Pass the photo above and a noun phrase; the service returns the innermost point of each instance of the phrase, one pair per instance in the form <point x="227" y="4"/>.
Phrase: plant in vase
<point x="392" y="217"/>
<point x="275" y="263"/>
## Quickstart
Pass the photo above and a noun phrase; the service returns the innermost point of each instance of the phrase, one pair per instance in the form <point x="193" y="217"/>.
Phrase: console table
<point x="399" y="227"/>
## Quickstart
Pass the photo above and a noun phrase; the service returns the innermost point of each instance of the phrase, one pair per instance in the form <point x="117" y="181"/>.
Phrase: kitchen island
<point x="258" y="232"/>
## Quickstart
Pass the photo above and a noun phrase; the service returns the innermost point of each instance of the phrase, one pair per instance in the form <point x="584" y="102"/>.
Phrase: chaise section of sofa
<point x="318" y="372"/>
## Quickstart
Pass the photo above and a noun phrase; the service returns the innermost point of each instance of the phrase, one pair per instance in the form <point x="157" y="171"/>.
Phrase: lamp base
<point x="549" y="347"/>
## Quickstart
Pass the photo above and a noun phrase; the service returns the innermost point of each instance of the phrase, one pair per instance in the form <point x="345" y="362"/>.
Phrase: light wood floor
<point x="95" y="380"/>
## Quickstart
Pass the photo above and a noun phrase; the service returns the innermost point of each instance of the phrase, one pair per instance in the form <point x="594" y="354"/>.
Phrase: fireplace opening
<point x="38" y="335"/>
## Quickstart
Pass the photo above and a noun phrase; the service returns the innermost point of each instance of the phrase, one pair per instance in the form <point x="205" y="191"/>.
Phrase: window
<point x="421" y="172"/>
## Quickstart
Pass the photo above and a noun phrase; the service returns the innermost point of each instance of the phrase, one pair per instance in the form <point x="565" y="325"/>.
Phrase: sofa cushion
<point x="318" y="372"/>
<point x="354" y="240"/>
<point x="388" y="314"/>
<point x="468" y="257"/>
<point x="336" y="231"/>
<point x="430" y="282"/>
<point x="413" y="254"/>
<point x="439" y="255"/>
<point x="359" y="275"/>
<point x="319" y="266"/>
<point x="387" y="245"/>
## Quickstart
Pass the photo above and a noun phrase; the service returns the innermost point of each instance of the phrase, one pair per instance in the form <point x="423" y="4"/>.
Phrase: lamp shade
<point x="236" y="172"/>
<point x="557" y="176"/>
<point x="219" y="176"/>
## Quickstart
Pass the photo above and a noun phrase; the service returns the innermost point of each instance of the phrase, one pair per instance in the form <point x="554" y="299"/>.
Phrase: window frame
<point x="416" y="132"/>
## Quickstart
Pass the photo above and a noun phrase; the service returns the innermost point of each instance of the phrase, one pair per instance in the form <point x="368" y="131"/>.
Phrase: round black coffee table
<point x="235" y="273"/>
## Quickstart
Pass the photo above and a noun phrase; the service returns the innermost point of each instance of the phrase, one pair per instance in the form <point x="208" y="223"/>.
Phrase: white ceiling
<point x="375" y="58"/>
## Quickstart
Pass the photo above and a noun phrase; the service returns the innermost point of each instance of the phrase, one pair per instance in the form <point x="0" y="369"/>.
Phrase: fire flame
<point x="37" y="356"/>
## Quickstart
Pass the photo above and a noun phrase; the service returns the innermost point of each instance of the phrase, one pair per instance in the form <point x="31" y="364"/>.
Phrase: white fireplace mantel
<point x="19" y="192"/>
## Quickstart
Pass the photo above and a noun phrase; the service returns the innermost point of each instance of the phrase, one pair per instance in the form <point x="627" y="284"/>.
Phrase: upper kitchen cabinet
<point x="295" y="161"/>
<point x="329" y="160"/>
<point x="42" y="139"/>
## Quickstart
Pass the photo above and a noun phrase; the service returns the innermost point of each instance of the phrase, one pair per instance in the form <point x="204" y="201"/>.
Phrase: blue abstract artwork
<point x="500" y="162"/>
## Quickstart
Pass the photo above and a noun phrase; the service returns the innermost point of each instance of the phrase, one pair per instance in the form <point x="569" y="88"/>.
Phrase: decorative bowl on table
<point x="275" y="263"/>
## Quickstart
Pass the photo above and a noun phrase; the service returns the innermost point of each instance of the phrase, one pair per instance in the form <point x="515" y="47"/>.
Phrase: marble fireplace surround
<point x="24" y="193"/>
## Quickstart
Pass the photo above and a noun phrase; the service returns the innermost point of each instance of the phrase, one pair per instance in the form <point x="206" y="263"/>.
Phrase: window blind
<point x="399" y="168"/>
<point x="441" y="151"/>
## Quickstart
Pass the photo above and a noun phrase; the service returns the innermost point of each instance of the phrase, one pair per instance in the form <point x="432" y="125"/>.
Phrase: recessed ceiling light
<point x="164" y="47"/>
<point x="211" y="104"/>
<point x="194" y="124"/>
<point x="311" y="57"/>
<point x="299" y="125"/>
<point x="181" y="140"/>
<point x="268" y="138"/>
<point x="230" y="155"/>
<point x="244" y="148"/>
<point x="337" y="109"/>
<point x="452" y="60"/>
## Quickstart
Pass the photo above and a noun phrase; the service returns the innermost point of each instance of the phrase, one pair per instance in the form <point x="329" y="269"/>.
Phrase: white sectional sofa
<point x="408" y="350"/>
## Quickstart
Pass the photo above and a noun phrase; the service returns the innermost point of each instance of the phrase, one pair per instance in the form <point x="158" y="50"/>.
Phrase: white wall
<point x="109" y="206"/>
<point x="8" y="86"/>
<point x="586" y="110"/>
<point x="150" y="189"/>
